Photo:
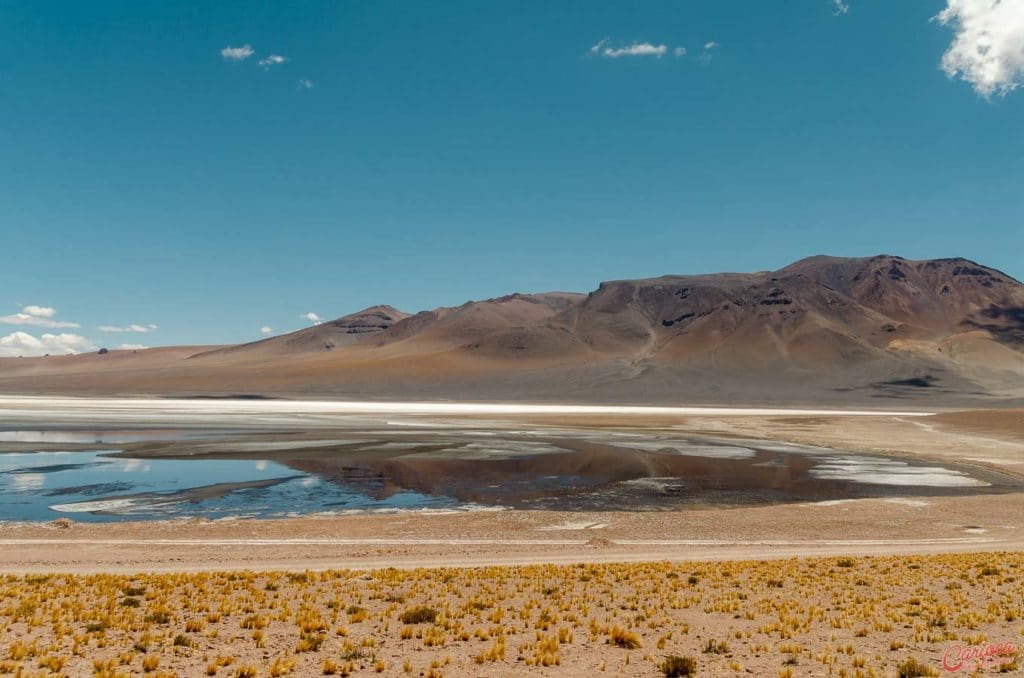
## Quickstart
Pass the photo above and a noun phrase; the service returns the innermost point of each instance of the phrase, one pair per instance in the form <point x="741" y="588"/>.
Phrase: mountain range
<point x="824" y="330"/>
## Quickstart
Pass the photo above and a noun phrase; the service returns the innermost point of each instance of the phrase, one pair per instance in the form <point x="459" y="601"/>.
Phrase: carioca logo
<point x="970" y="657"/>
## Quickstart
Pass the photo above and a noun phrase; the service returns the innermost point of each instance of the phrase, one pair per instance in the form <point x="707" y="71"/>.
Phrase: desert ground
<point x="829" y="587"/>
<point x="864" y="616"/>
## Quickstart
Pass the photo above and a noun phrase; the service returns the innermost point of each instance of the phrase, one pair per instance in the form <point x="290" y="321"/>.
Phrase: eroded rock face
<point x="933" y="297"/>
<point x="367" y="321"/>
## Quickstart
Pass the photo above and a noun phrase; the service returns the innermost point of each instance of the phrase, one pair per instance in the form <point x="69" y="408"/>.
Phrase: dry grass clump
<point x="831" y="616"/>
<point x="914" y="668"/>
<point x="624" y="638"/>
<point x="418" y="615"/>
<point x="716" y="647"/>
<point x="675" y="666"/>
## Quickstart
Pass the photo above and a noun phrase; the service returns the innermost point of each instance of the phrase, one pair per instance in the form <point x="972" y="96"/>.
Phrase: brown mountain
<point x="345" y="331"/>
<point x="823" y="329"/>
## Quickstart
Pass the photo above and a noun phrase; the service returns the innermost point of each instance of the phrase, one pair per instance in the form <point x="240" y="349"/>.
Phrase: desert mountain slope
<point x="344" y="331"/>
<point x="823" y="329"/>
<point x="814" y="312"/>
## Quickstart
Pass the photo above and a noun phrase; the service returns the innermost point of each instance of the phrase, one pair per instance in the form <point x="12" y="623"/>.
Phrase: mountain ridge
<point x="833" y="328"/>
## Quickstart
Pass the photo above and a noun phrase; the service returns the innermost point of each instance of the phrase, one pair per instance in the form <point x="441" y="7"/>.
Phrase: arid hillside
<point x="821" y="330"/>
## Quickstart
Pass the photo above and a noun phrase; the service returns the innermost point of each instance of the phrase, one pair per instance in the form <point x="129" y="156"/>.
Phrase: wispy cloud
<point x="305" y="84"/>
<point x="39" y="316"/>
<point x="139" y="329"/>
<point x="266" y="329"/>
<point x="132" y="347"/>
<point x="632" y="50"/>
<point x="237" y="53"/>
<point x="24" y="344"/>
<point x="272" y="60"/>
<point x="679" y="52"/>
<point x="312" y="317"/>
<point x="840" y="7"/>
<point x="708" y="52"/>
<point x="988" y="46"/>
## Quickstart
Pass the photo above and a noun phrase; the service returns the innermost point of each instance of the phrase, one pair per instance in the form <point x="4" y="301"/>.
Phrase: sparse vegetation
<point x="782" y="617"/>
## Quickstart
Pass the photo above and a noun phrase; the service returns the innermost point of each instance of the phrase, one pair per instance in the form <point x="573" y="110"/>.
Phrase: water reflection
<point x="446" y="469"/>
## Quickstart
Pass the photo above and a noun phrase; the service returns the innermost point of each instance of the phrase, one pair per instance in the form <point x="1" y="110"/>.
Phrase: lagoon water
<point x="88" y="486"/>
<point x="150" y="473"/>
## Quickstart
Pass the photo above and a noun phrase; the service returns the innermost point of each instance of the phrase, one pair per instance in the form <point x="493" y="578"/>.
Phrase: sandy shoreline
<point x="414" y="539"/>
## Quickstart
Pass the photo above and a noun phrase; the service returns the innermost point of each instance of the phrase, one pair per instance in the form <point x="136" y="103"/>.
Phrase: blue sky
<point x="423" y="154"/>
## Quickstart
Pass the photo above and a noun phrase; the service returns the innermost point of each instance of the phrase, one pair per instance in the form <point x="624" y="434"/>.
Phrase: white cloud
<point x="305" y="84"/>
<point x="266" y="329"/>
<point x="39" y="311"/>
<point x="138" y="329"/>
<point x="840" y="7"/>
<point x="40" y="316"/>
<point x="679" y="52"/>
<point x="272" y="60"/>
<point x="635" y="49"/>
<point x="312" y="317"/>
<point x="132" y="347"/>
<point x="237" y="53"/>
<point x="25" y="344"/>
<point x="711" y="44"/>
<point x="988" y="48"/>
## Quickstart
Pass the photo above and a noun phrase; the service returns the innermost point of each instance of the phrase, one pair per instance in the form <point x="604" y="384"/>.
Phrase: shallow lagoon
<point x="148" y="474"/>
<point x="89" y="486"/>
